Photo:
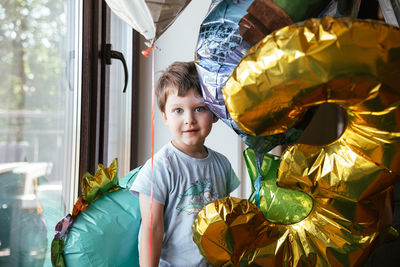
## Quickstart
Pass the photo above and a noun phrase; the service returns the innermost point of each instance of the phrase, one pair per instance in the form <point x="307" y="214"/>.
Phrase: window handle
<point x="109" y="54"/>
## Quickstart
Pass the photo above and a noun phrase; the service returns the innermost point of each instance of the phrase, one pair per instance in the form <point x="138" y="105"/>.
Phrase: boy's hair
<point x="178" y="77"/>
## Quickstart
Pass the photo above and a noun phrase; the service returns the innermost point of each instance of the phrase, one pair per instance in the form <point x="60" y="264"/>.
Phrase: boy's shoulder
<point x="161" y="161"/>
<point x="217" y="154"/>
<point x="164" y="154"/>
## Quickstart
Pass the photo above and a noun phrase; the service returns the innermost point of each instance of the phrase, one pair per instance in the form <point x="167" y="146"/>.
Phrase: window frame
<point x="95" y="89"/>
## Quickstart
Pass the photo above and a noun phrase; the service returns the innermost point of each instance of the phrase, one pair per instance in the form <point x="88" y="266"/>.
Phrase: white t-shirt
<point x="184" y="184"/>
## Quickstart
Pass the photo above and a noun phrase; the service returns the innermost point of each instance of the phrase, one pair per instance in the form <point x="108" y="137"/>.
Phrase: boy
<point x="186" y="175"/>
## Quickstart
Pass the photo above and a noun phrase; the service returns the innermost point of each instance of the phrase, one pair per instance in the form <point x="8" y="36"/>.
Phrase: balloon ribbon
<point x="152" y="148"/>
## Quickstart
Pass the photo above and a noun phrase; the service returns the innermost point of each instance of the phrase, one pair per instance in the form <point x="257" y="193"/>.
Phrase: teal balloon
<point x="106" y="233"/>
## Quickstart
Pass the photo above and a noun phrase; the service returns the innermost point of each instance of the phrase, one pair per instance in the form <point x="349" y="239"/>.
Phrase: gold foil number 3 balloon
<point x="341" y="201"/>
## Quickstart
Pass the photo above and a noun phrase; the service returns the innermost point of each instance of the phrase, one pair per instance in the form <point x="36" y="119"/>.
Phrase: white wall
<point x="178" y="43"/>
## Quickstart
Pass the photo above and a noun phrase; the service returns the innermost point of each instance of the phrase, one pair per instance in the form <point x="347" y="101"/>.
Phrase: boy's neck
<point x="199" y="152"/>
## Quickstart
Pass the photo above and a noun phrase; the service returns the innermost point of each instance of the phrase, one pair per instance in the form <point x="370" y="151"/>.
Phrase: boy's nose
<point x="189" y="118"/>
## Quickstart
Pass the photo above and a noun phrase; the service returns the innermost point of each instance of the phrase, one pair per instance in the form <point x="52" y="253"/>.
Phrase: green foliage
<point x="32" y="70"/>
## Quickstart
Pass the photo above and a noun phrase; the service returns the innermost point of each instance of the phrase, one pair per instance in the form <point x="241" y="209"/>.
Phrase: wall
<point x="178" y="43"/>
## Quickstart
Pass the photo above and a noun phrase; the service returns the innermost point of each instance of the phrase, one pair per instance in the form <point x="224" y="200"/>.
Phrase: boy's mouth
<point x="191" y="131"/>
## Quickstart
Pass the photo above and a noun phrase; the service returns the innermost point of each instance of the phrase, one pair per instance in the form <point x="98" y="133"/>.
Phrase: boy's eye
<point x="178" y="110"/>
<point x="200" y="109"/>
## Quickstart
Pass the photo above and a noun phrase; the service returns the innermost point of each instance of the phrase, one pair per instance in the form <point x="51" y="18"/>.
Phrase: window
<point x="40" y="51"/>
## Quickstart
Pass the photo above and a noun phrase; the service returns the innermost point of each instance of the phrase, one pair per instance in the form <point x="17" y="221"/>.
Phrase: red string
<point x="152" y="106"/>
<point x="146" y="54"/>
<point x="152" y="149"/>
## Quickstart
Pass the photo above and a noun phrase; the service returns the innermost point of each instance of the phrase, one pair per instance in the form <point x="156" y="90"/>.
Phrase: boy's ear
<point x="164" y="117"/>
<point x="215" y="118"/>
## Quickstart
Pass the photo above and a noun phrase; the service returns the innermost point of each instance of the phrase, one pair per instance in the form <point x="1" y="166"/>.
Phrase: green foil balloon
<point x="299" y="10"/>
<point x="279" y="205"/>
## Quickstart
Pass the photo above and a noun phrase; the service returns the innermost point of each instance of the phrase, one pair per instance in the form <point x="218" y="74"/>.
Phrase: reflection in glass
<point x="38" y="96"/>
<point x="119" y="113"/>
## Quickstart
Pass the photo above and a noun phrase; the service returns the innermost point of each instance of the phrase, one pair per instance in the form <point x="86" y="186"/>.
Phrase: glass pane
<point x="38" y="124"/>
<point x="119" y="130"/>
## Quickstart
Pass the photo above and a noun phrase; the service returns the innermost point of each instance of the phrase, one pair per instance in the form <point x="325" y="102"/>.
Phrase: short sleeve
<point x="234" y="181"/>
<point x="158" y="176"/>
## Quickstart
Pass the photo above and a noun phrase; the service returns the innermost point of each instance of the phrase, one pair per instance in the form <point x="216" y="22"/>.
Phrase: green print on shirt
<point x="195" y="190"/>
<point x="195" y="197"/>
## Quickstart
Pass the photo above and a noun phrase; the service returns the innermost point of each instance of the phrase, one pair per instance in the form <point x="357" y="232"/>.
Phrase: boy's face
<point x="189" y="121"/>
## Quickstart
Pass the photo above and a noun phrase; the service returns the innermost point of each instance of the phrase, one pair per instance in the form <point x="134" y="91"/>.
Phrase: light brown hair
<point x="179" y="77"/>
